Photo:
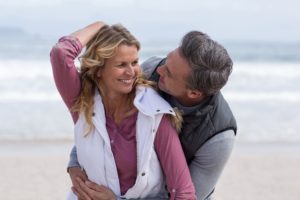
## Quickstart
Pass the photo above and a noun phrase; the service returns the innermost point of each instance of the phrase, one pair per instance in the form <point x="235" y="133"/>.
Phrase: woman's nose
<point x="130" y="70"/>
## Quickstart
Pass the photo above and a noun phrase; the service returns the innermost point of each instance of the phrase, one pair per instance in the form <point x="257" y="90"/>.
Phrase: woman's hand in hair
<point x="85" y="34"/>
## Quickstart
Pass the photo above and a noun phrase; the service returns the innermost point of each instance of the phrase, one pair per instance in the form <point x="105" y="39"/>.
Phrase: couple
<point x="125" y="133"/>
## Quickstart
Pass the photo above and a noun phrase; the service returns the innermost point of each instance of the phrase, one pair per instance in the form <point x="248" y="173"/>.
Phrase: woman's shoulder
<point x="148" y="100"/>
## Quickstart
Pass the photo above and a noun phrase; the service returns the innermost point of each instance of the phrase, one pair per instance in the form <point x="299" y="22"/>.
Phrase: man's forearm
<point x="209" y="163"/>
<point x="73" y="162"/>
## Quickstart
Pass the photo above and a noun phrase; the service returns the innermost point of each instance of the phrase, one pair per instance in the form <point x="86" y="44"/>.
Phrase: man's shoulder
<point x="149" y="65"/>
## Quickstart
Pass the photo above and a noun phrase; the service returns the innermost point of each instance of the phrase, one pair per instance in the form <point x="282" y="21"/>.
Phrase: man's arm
<point x="75" y="172"/>
<point x="149" y="65"/>
<point x="210" y="161"/>
<point x="73" y="162"/>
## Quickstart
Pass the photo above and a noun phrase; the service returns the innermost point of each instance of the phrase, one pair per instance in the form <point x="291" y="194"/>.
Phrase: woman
<point x="124" y="138"/>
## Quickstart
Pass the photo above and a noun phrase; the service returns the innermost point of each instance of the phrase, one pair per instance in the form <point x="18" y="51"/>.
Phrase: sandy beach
<point x="261" y="171"/>
<point x="37" y="171"/>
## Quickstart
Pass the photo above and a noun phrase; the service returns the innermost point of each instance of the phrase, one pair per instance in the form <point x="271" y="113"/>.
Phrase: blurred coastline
<point x="263" y="90"/>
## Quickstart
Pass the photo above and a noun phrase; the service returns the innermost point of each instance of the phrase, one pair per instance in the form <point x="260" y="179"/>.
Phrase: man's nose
<point x="160" y="70"/>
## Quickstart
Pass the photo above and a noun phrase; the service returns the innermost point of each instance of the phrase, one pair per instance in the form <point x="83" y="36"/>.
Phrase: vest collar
<point x="150" y="103"/>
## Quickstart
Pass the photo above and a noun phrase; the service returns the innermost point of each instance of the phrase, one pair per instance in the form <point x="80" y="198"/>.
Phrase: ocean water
<point x="263" y="92"/>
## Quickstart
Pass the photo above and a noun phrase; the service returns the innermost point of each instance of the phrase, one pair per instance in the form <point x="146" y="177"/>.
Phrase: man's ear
<point x="195" y="94"/>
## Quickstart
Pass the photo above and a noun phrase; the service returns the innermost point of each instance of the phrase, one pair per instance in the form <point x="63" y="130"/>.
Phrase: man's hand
<point x="95" y="192"/>
<point x="77" y="172"/>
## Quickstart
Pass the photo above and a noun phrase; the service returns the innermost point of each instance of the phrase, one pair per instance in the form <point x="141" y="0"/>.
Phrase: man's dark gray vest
<point x="211" y="118"/>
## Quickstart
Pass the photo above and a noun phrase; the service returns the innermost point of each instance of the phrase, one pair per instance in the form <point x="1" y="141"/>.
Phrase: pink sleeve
<point x="65" y="74"/>
<point x="172" y="160"/>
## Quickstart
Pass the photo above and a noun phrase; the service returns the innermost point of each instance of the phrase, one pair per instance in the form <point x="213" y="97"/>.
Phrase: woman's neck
<point x="118" y="107"/>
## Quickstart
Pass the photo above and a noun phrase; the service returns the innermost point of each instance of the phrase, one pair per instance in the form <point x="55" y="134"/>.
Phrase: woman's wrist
<point x="85" y="34"/>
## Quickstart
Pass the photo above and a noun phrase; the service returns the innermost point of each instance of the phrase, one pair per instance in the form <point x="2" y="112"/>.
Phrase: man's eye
<point x="135" y="63"/>
<point x="168" y="72"/>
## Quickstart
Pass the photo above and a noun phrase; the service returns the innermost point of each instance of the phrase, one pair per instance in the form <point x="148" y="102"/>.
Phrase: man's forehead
<point x="177" y="64"/>
<point x="171" y="58"/>
<point x="171" y="53"/>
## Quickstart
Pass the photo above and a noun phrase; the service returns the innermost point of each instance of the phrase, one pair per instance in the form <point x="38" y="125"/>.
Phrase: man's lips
<point x="161" y="81"/>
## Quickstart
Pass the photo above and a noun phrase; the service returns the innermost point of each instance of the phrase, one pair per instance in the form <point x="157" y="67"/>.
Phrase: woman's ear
<point x="99" y="72"/>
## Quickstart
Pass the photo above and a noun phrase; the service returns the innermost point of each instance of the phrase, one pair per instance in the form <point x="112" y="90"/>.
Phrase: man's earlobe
<point x="195" y="94"/>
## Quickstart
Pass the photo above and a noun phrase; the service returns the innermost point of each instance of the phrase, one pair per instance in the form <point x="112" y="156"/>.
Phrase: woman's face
<point x="119" y="72"/>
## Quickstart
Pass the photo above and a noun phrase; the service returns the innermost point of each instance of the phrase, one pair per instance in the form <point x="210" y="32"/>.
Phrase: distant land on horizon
<point x="17" y="43"/>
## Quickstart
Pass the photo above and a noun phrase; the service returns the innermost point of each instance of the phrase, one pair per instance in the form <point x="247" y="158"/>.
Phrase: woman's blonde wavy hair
<point x="100" y="48"/>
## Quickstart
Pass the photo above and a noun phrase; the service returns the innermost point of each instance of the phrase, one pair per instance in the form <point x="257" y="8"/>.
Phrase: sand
<point x="261" y="171"/>
<point x="37" y="171"/>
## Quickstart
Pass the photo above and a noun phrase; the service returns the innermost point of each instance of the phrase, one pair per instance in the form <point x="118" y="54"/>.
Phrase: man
<point x="190" y="78"/>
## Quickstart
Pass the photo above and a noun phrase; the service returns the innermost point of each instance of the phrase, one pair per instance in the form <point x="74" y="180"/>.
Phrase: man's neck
<point x="190" y="108"/>
<point x="187" y="102"/>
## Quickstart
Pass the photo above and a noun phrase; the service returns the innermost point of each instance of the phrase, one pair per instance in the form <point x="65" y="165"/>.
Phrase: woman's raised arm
<point x="62" y="58"/>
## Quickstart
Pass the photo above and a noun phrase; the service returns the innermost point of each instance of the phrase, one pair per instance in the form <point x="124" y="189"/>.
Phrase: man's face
<point x="173" y="75"/>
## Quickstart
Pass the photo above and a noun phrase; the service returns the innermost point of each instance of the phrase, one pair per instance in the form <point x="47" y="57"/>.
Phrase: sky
<point x="250" y="20"/>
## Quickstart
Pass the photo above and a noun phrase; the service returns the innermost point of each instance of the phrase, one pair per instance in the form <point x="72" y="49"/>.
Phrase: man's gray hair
<point x="211" y="65"/>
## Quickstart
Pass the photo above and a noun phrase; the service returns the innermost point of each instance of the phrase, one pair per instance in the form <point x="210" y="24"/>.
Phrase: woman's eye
<point x="121" y="65"/>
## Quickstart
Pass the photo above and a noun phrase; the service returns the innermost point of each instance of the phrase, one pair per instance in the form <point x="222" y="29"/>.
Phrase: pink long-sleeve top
<point x="123" y="140"/>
